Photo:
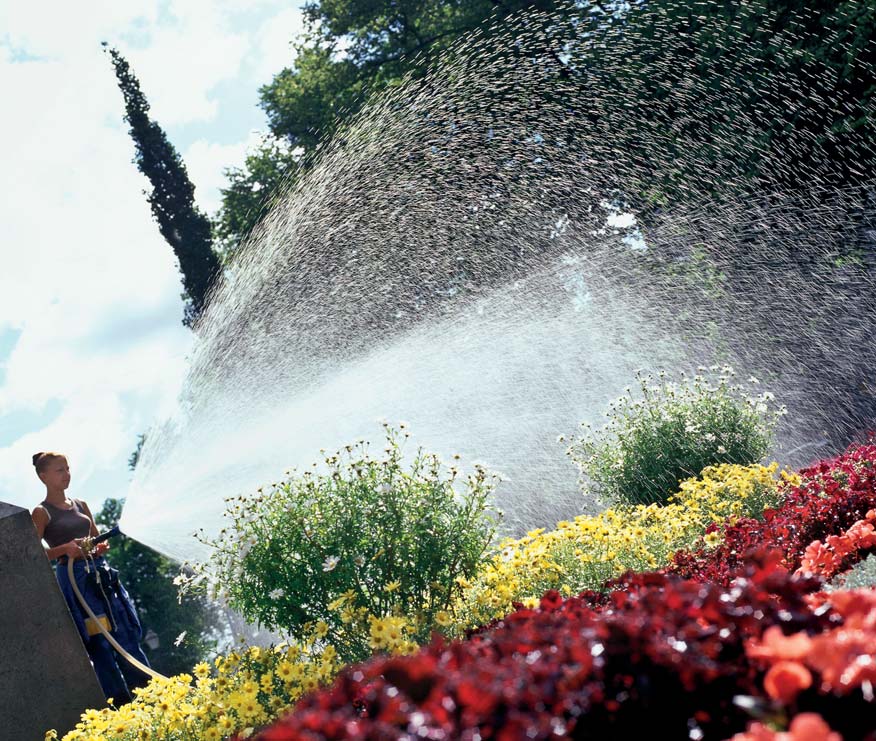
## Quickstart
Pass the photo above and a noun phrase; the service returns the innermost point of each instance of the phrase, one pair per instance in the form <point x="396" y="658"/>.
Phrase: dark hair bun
<point x="36" y="457"/>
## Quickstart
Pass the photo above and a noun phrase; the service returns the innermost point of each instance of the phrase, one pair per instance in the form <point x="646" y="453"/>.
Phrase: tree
<point x="183" y="226"/>
<point x="353" y="48"/>
<point x="252" y="191"/>
<point x="768" y="95"/>
<point x="135" y="456"/>
<point x="148" y="576"/>
<point x="764" y="95"/>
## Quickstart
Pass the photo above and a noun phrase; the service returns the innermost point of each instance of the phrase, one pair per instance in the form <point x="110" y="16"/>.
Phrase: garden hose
<point x="100" y="626"/>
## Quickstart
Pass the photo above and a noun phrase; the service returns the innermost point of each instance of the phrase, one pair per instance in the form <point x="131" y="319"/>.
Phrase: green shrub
<point x="861" y="576"/>
<point x="360" y="548"/>
<point x="670" y="432"/>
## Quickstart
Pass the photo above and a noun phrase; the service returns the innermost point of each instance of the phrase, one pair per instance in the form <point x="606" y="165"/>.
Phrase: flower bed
<point x="727" y="641"/>
<point x="831" y="496"/>
<point x="584" y="553"/>
<point x="733" y="637"/>
<point x="663" y="656"/>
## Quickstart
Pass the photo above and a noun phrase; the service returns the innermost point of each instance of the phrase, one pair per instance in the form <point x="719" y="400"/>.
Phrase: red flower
<point x="551" y="600"/>
<point x="785" y="680"/>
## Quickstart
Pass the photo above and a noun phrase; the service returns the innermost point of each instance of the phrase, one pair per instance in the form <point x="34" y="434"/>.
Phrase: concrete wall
<point x="46" y="678"/>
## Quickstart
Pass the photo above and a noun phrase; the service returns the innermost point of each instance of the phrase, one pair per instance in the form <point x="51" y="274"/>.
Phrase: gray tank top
<point x="66" y="524"/>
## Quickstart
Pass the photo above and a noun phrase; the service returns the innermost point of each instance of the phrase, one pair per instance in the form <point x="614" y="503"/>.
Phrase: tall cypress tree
<point x="172" y="199"/>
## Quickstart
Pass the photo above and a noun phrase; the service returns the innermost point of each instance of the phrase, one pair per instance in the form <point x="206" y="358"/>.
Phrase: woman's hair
<point x="41" y="461"/>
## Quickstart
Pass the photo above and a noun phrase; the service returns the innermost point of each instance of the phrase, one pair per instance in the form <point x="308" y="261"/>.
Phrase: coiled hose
<point x="106" y="634"/>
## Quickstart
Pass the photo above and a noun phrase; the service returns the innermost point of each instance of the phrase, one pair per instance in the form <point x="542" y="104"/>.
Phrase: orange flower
<point x="827" y="558"/>
<point x="811" y="727"/>
<point x="816" y="600"/>
<point x="861" y="602"/>
<point x="844" y="658"/>
<point x="804" y="727"/>
<point x="785" y="679"/>
<point x="818" y="559"/>
<point x="775" y="645"/>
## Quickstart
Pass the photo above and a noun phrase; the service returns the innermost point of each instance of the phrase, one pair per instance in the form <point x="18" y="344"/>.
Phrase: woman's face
<point x="57" y="474"/>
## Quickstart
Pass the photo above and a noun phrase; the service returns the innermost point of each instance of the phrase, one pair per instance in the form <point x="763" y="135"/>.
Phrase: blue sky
<point x="92" y="350"/>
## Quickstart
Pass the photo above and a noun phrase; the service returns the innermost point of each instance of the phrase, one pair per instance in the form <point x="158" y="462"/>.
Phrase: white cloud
<point x="86" y="277"/>
<point x="61" y="30"/>
<point x="206" y="163"/>
<point x="91" y="432"/>
<point x="196" y="50"/>
<point x="275" y="43"/>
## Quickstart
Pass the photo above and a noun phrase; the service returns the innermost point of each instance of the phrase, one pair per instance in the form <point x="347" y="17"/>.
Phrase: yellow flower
<point x="712" y="539"/>
<point x="582" y="554"/>
<point x="277" y="703"/>
<point x="443" y="618"/>
<point x="202" y="670"/>
<point x="392" y="586"/>
<point x="337" y="603"/>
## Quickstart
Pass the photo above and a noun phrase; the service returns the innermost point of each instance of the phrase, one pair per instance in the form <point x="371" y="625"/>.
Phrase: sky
<point x="92" y="349"/>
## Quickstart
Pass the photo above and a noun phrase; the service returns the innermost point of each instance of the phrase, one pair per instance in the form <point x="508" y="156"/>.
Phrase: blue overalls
<point x="116" y="674"/>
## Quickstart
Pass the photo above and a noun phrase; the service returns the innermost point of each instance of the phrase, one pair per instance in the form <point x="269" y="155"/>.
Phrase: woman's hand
<point x="100" y="548"/>
<point x="72" y="550"/>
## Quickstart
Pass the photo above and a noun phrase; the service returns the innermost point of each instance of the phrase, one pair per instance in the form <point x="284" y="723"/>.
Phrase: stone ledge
<point x="46" y="677"/>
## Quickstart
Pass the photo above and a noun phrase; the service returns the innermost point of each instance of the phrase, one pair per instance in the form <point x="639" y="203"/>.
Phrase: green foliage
<point x="172" y="199"/>
<point x="364" y="539"/>
<point x="303" y="103"/>
<point x="740" y="87"/>
<point x="252" y="191"/>
<point x="149" y="579"/>
<point x="134" y="458"/>
<point x="359" y="46"/>
<point x="722" y="90"/>
<point x="671" y="433"/>
<point x="861" y="576"/>
<point x="353" y="48"/>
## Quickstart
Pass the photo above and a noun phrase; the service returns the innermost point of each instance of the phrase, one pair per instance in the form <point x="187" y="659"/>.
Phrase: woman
<point x="62" y="523"/>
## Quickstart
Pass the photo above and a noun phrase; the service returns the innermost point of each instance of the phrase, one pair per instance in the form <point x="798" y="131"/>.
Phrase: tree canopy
<point x="735" y="84"/>
<point x="352" y="49"/>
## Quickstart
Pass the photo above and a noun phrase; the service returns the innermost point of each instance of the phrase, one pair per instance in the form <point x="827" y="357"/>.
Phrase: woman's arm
<point x="40" y="519"/>
<point x="100" y="548"/>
